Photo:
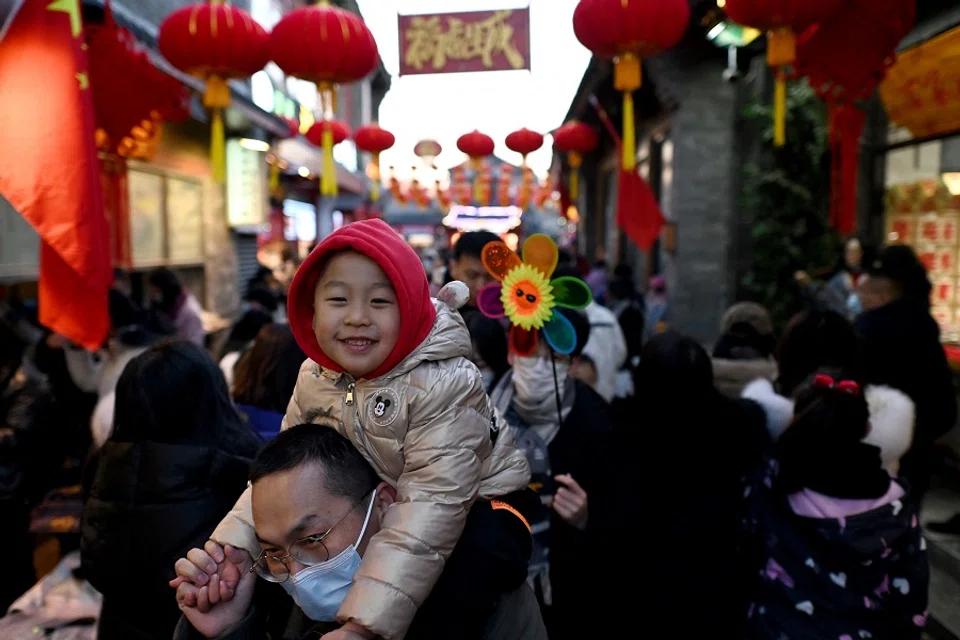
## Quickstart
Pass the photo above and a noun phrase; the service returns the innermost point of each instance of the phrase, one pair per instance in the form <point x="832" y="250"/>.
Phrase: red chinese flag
<point x="48" y="165"/>
<point x="638" y="213"/>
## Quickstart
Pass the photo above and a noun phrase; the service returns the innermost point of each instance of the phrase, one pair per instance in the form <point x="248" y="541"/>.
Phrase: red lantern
<point x="374" y="141"/>
<point x="845" y="58"/>
<point x="328" y="46"/>
<point x="575" y="139"/>
<point x="626" y="31"/>
<point x="781" y="19"/>
<point x="478" y="146"/>
<point x="325" y="132"/>
<point x="427" y="150"/>
<point x="524" y="142"/>
<point x="214" y="42"/>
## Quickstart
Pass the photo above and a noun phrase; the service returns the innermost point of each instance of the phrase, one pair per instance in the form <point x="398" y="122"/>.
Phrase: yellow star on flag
<point x="72" y="9"/>
<point x="84" y="80"/>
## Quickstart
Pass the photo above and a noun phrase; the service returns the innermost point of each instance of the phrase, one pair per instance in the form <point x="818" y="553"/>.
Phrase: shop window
<point x="166" y="219"/>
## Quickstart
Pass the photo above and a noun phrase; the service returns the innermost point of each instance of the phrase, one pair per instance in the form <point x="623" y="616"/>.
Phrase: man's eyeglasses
<point x="309" y="551"/>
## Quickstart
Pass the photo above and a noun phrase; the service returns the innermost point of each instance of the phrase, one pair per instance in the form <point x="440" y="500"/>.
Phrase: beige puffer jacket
<point x="425" y="427"/>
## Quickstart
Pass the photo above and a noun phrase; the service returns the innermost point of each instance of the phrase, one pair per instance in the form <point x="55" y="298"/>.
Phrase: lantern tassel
<point x="375" y="181"/>
<point x="629" y="133"/>
<point x="274" y="177"/>
<point x="328" y="181"/>
<point x="218" y="162"/>
<point x="575" y="161"/>
<point x="780" y="111"/>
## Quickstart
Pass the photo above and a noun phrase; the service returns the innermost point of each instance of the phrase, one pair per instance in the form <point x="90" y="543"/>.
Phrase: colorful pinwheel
<point x="527" y="296"/>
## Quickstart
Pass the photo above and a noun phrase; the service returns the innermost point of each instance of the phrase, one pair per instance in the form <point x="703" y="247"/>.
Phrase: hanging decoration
<point x="626" y="32"/>
<point x="427" y="150"/>
<point x="782" y="20"/>
<point x="328" y="133"/>
<point x="477" y="146"/>
<point x="293" y="130"/>
<point x="214" y="42"/>
<point x="395" y="188"/>
<point x="527" y="296"/>
<point x="575" y="139"/>
<point x="328" y="46"/>
<point x="374" y="140"/>
<point x="864" y="35"/>
<point x="504" y="182"/>
<point x="524" y="142"/>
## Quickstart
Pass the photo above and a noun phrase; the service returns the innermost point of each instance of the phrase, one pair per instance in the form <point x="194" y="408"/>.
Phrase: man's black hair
<point x="472" y="243"/>
<point x="345" y="471"/>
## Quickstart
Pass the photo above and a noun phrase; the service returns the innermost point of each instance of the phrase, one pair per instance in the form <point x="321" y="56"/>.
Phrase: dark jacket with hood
<point x="150" y="503"/>
<point x="862" y="576"/>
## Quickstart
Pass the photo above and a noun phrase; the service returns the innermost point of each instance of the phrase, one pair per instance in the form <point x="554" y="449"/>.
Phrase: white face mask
<point x="319" y="590"/>
<point x="533" y="379"/>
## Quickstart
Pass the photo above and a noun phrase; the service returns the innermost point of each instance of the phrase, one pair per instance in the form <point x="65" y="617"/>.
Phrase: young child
<point x="841" y="554"/>
<point x="388" y="366"/>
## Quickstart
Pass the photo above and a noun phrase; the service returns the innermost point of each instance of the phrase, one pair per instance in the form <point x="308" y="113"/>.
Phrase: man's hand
<point x="206" y="609"/>
<point x="570" y="502"/>
<point x="228" y="565"/>
<point x="349" y="631"/>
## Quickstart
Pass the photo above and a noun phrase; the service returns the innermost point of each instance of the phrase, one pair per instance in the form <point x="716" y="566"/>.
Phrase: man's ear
<point x="386" y="496"/>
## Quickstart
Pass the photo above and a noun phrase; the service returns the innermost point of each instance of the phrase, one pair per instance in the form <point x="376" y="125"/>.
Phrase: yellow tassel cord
<point x="627" y="78"/>
<point x="328" y="181"/>
<point x="575" y="161"/>
<point x="781" y="52"/>
<point x="216" y="98"/>
<point x="477" y="164"/>
<point x="274" y="177"/>
<point x="375" y="178"/>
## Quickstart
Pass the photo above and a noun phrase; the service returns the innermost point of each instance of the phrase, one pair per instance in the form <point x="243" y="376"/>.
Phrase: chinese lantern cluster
<point x="322" y="44"/>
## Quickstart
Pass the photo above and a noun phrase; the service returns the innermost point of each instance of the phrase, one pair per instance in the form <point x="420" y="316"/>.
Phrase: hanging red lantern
<point x="427" y="150"/>
<point x="575" y="139"/>
<point x="214" y="42"/>
<point x="478" y="146"/>
<point x="782" y="20"/>
<point x="322" y="134"/>
<point x="328" y="46"/>
<point x="844" y="59"/>
<point x="524" y="142"/>
<point x="626" y="32"/>
<point x="374" y="140"/>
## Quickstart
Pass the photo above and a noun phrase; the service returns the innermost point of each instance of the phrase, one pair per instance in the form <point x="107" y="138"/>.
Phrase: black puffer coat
<point x="150" y="503"/>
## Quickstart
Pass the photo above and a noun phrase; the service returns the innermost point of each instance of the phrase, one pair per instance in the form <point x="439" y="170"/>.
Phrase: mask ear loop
<point x="556" y="387"/>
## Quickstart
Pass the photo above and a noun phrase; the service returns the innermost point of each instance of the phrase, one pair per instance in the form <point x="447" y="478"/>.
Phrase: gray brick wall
<point x="703" y="202"/>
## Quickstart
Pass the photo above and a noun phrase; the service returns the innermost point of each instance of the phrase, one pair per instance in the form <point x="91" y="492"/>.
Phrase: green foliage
<point x="787" y="195"/>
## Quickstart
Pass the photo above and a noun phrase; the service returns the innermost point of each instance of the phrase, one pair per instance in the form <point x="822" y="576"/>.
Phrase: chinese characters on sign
<point x="462" y="42"/>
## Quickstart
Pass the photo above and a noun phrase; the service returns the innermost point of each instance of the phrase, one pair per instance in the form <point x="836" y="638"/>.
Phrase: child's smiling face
<point x="356" y="316"/>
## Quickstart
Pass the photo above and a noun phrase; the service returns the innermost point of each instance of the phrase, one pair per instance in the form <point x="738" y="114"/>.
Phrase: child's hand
<point x="349" y="631"/>
<point x="200" y="607"/>
<point x="570" y="502"/>
<point x="228" y="565"/>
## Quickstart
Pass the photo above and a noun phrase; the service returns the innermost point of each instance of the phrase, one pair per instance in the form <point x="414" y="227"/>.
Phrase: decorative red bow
<point x="823" y="381"/>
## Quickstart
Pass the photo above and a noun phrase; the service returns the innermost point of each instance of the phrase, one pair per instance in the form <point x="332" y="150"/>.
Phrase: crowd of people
<point x="364" y="455"/>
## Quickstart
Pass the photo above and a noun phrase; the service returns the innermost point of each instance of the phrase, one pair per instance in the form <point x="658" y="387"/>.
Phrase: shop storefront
<point x="921" y="166"/>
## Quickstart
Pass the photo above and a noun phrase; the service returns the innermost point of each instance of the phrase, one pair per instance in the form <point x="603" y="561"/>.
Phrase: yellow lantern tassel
<point x="629" y="134"/>
<point x="781" y="52"/>
<point x="218" y="161"/>
<point x="216" y="98"/>
<point x="780" y="111"/>
<point x="328" y="181"/>
<point x="274" y="176"/>
<point x="575" y="161"/>
<point x="375" y="178"/>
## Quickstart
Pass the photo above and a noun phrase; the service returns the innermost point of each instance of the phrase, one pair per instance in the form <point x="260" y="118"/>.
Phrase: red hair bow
<point x="823" y="381"/>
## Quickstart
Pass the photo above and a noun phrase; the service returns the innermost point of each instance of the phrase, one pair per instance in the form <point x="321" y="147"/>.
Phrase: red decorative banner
<point x="463" y="42"/>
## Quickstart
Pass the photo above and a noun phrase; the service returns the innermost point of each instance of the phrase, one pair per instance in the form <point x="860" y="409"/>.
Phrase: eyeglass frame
<point x="283" y="559"/>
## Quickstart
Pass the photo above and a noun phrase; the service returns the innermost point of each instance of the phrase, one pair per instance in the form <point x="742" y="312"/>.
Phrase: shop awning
<point x="146" y="34"/>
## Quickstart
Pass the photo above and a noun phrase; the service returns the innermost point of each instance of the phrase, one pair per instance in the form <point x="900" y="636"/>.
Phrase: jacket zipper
<point x="350" y="388"/>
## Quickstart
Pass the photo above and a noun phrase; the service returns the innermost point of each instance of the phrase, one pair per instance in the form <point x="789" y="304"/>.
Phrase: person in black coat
<point x="901" y="349"/>
<point x="176" y="462"/>
<point x="683" y="454"/>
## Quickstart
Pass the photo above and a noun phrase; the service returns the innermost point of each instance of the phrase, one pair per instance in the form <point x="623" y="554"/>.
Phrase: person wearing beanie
<point x="388" y="367"/>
